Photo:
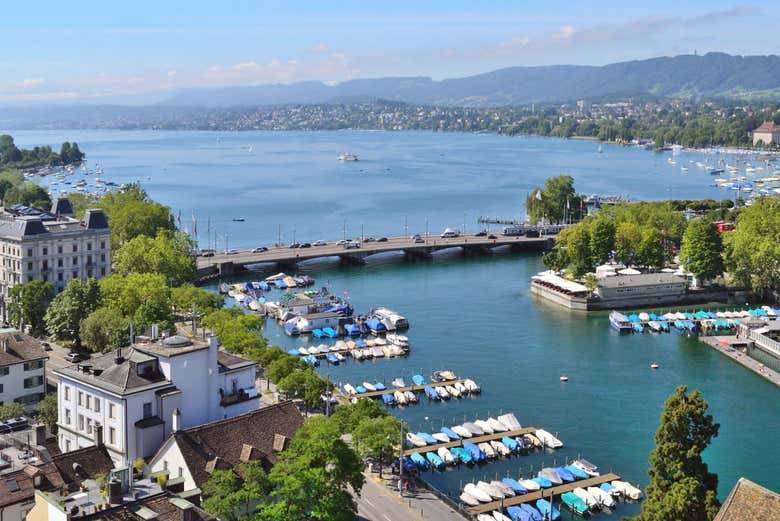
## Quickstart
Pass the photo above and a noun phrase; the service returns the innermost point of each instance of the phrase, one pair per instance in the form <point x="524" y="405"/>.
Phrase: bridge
<point x="224" y="264"/>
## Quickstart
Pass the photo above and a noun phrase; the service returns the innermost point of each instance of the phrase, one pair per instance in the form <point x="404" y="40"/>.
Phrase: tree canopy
<point x="556" y="202"/>
<point x="230" y="496"/>
<point x="168" y="254"/>
<point x="702" y="249"/>
<point x="144" y="298"/>
<point x="27" y="304"/>
<point x="752" y="249"/>
<point x="11" y="155"/>
<point x="132" y="213"/>
<point x="681" y="486"/>
<point x="103" y="329"/>
<point x="70" y="307"/>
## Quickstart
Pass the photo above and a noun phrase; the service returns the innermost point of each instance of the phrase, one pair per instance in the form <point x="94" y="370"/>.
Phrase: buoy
<point x="653" y="366"/>
<point x="564" y="378"/>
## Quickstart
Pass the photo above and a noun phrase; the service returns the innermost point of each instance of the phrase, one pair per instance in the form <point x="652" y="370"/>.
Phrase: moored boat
<point x="477" y="493"/>
<point x="548" y="439"/>
<point x="548" y="510"/>
<point x="574" y="503"/>
<point x="550" y="475"/>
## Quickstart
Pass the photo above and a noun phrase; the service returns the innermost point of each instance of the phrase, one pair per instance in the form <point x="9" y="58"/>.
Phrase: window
<point x="59" y="277"/>
<point x="29" y="266"/>
<point x="45" y="250"/>
<point x="165" y="465"/>
<point x="1" y="388"/>
<point x="89" y="246"/>
<point x="89" y="426"/>
<point x="59" y="263"/>
<point x="32" y="366"/>
<point x="67" y="393"/>
<point x="75" y="261"/>
<point x="102" y="271"/>
<point x="4" y="371"/>
<point x="102" y="257"/>
<point x="75" y="248"/>
<point x="147" y="409"/>
<point x="59" y="248"/>
<point x="67" y="416"/>
<point x="75" y="274"/>
<point x="181" y="472"/>
<point x="89" y="401"/>
<point x="29" y="252"/>
<point x="67" y="445"/>
<point x="102" y="245"/>
<point x="33" y="381"/>
<point x="112" y="436"/>
<point x="97" y="404"/>
<point x="81" y="422"/>
<point x="111" y="413"/>
<point x="81" y="398"/>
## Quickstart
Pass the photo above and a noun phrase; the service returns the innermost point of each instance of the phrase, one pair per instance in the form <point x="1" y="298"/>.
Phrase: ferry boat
<point x="620" y="322"/>
<point x="348" y="157"/>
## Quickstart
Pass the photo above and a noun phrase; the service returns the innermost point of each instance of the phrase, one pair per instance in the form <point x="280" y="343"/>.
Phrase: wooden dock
<point x="731" y="346"/>
<point x="413" y="388"/>
<point x="474" y="439"/>
<point x="544" y="493"/>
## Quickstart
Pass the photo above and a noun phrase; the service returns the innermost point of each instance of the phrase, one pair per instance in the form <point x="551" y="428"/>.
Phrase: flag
<point x="179" y="218"/>
<point x="538" y="195"/>
<point x="194" y="225"/>
<point x="567" y="204"/>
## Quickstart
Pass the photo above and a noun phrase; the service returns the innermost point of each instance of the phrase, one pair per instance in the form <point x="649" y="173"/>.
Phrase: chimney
<point x="98" y="435"/>
<point x="185" y="508"/>
<point x="176" y="421"/>
<point x="118" y="356"/>
<point x="5" y="345"/>
<point x="40" y="435"/>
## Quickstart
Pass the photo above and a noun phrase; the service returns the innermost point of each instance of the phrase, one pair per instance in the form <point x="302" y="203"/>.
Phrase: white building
<point x="51" y="246"/>
<point x="22" y="369"/>
<point x="133" y="392"/>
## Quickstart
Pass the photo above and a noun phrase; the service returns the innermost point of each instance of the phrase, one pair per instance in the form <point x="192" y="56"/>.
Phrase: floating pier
<point x="542" y="494"/>
<point x="413" y="388"/>
<point x="474" y="439"/>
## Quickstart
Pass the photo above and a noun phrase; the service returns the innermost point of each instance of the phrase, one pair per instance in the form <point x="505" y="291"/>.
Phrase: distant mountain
<point x="710" y="75"/>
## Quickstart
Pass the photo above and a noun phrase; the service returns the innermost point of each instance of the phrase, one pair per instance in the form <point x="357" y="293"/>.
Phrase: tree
<point x="701" y="252"/>
<point x="314" y="478"/>
<point x="221" y="494"/>
<point x="187" y="298"/>
<point x="681" y="486"/>
<point x="627" y="238"/>
<point x="131" y="213"/>
<point x="375" y="437"/>
<point x="46" y="411"/>
<point x="168" y="254"/>
<point x="752" y="250"/>
<point x="284" y="366"/>
<point x="348" y="417"/>
<point x="71" y="307"/>
<point x="578" y="249"/>
<point x="103" y="329"/>
<point x="28" y="194"/>
<point x="144" y="298"/>
<point x="27" y="304"/>
<point x="651" y="248"/>
<point x="555" y="203"/>
<point x="239" y="332"/>
<point x="11" y="410"/>
<point x="602" y="240"/>
<point x="305" y="384"/>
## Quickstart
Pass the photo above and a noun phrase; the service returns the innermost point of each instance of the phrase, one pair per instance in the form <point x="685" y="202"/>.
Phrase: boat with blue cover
<point x="330" y="332"/>
<point x="332" y="358"/>
<point x="311" y="359"/>
<point x="577" y="472"/>
<point x="574" y="503"/>
<point x="542" y="482"/>
<point x="638" y="327"/>
<point x="461" y="455"/>
<point x="548" y="510"/>
<point x="418" y="379"/>
<point x="380" y="386"/>
<point x="388" y="399"/>
<point x="435" y="460"/>
<point x="535" y="514"/>
<point x="664" y="326"/>
<point x="551" y="475"/>
<point x="317" y="332"/>
<point x="653" y="316"/>
<point x="408" y="464"/>
<point x="514" y="485"/>
<point x="476" y="453"/>
<point x="518" y="514"/>
<point x="375" y="326"/>
<point x="293" y="352"/>
<point x="679" y="324"/>
<point x="352" y="329"/>
<point x="510" y="443"/>
<point x="360" y="389"/>
<point x="690" y="325"/>
<point x="418" y="460"/>
<point x="430" y="440"/>
<point x="449" y="432"/>
<point x="609" y="489"/>
<point x="360" y="343"/>
<point x="689" y="315"/>
<point x="431" y="393"/>
<point x="565" y="475"/>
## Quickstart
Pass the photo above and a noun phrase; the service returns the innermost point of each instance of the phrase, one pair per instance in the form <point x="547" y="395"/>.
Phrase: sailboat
<point x="600" y="150"/>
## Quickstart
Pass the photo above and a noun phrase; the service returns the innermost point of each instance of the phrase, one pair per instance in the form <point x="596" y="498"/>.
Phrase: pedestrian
<point x="400" y="486"/>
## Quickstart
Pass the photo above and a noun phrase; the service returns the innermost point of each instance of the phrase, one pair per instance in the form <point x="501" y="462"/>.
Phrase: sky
<point x="135" y="51"/>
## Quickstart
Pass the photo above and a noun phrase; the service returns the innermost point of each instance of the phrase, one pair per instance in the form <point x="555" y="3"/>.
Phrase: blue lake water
<point x="474" y="316"/>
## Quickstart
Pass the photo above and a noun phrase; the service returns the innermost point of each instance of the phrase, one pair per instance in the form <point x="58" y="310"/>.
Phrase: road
<point x="380" y="501"/>
<point x="284" y="254"/>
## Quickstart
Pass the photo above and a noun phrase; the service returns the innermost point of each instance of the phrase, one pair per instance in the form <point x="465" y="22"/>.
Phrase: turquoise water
<point x="474" y="316"/>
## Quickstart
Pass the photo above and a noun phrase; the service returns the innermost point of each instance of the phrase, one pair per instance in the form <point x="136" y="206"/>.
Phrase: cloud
<point x="39" y="96"/>
<point x="564" y="33"/>
<point x="171" y="73"/>
<point x="31" y="83"/>
<point x="334" y="65"/>
<point x="739" y="11"/>
<point x="320" y="48"/>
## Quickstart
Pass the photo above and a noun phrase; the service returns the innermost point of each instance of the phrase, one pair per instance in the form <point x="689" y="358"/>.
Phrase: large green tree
<point x="681" y="486"/>
<point x="556" y="202"/>
<point x="188" y="298"/>
<point x="168" y="253"/>
<point x="650" y="251"/>
<point x="752" y="250"/>
<point x="602" y="239"/>
<point x="132" y="213"/>
<point x="232" y="496"/>
<point x="71" y="307"/>
<point x="103" y="329"/>
<point x="144" y="298"/>
<point x="702" y="249"/>
<point x="377" y="437"/>
<point x="628" y="236"/>
<point x="46" y="411"/>
<point x="305" y="384"/>
<point x="27" y="304"/>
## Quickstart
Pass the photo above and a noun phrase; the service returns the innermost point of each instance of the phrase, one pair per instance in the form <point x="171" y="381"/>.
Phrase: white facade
<point x="23" y="382"/>
<point x="162" y="378"/>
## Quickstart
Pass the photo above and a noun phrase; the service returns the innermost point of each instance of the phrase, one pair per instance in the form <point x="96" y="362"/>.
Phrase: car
<point x="261" y="249"/>
<point x="416" y="236"/>
<point x="491" y="236"/>
<point x="231" y="252"/>
<point x="351" y="245"/>
<point x="419" y="240"/>
<point x="305" y="245"/>
<point x="532" y="233"/>
<point x="342" y="242"/>
<point x="295" y="245"/>
<point x="73" y="357"/>
<point x="369" y="239"/>
<point x="382" y="239"/>
<point x="46" y="346"/>
<point x="450" y="233"/>
<point x="208" y="254"/>
<point x="481" y="233"/>
<point x="319" y="243"/>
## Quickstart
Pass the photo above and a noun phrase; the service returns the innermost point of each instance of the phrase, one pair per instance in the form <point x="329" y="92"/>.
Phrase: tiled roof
<point x="768" y="126"/>
<point x="20" y="348"/>
<point x="115" y="377"/>
<point x="18" y="486"/>
<point x="91" y="461"/>
<point x="228" y="361"/>
<point x="163" y="507"/>
<point x="749" y="501"/>
<point x="226" y="439"/>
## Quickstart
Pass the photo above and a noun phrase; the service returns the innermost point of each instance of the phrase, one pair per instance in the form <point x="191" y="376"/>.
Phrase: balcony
<point x="241" y="395"/>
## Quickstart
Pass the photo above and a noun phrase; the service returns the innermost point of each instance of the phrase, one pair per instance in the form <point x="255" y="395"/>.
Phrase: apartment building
<point x="22" y="368"/>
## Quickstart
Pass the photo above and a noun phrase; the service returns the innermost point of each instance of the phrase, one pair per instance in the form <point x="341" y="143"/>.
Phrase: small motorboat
<point x="400" y="398"/>
<point x="474" y="429"/>
<point x="460" y="388"/>
<point x="498" y="516"/>
<point x="349" y="389"/>
<point x="369" y="386"/>
<point x="586" y="466"/>
<point x="468" y="499"/>
<point x="461" y="455"/>
<point x="441" y="437"/>
<point x="415" y="440"/>
<point x="550" y="475"/>
<point x="530" y="485"/>
<point x="496" y="425"/>
<point x="536" y="442"/>
<point x="431" y="393"/>
<point x="452" y="391"/>
<point x="548" y="439"/>
<point x="360" y="389"/>
<point x="574" y="503"/>
<point x="489" y="489"/>
<point x="476" y="453"/>
<point x="399" y="382"/>
<point x="485" y="517"/>
<point x="471" y="385"/>
<point x="535" y="514"/>
<point x="500" y="448"/>
<point x="565" y="475"/>
<point x="627" y="489"/>
<point x="504" y="488"/>
<point x="510" y="443"/>
<point x="443" y="392"/>
<point x="388" y="399"/>
<point x="451" y="433"/>
<point x="548" y="510"/>
<point x="446" y="456"/>
<point x="590" y="500"/>
<point x="609" y="489"/>
<point x="410" y="397"/>
<point x="379" y="386"/>
<point x="434" y="459"/>
<point x="518" y="514"/>
<point x="517" y="488"/>
<point x="605" y="499"/>
<point x="484" y="425"/>
<point x="430" y="440"/>
<point x="510" y="421"/>
<point x="419" y="460"/>
<point x="477" y="493"/>
<point x="487" y="449"/>
<point x="462" y="431"/>
<point x="418" y="380"/>
<point x="577" y="472"/>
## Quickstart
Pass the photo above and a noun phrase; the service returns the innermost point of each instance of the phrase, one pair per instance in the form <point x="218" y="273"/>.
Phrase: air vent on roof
<point x="18" y="338"/>
<point x="177" y="341"/>
<point x="12" y="485"/>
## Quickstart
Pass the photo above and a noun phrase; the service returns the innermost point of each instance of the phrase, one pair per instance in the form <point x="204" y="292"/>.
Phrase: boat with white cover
<point x="475" y="429"/>
<point x="485" y="426"/>
<point x="510" y="421"/>
<point x="445" y="455"/>
<point x="440" y="436"/>
<point x="500" y="448"/>
<point x="496" y="425"/>
<point x="529" y="484"/>
<point x="477" y="493"/>
<point x="587" y="497"/>
<point x="548" y="439"/>
<point x="503" y="487"/>
<point x="471" y="385"/>
<point x="415" y="440"/>
<point x="490" y="490"/>
<point x="627" y="489"/>
<point x="604" y="498"/>
<point x="400" y="398"/>
<point x="487" y="449"/>
<point x="469" y="499"/>
<point x="462" y="431"/>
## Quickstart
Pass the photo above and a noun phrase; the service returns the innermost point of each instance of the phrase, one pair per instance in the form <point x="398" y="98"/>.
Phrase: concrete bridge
<point x="223" y="264"/>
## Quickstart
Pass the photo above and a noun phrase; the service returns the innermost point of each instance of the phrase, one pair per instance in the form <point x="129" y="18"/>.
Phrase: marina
<point x="474" y="440"/>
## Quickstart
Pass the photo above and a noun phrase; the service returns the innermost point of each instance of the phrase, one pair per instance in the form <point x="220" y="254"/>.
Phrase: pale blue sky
<point x="99" y="50"/>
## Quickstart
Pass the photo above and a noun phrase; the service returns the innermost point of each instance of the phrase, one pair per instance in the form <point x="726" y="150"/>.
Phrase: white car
<point x="231" y="252"/>
<point x="450" y="233"/>
<point x="319" y="243"/>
